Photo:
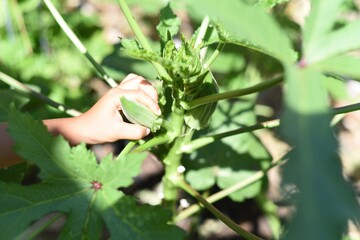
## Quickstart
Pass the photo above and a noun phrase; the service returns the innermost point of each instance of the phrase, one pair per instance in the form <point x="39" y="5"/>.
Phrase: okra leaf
<point x="118" y="220"/>
<point x="10" y="98"/>
<point x="71" y="181"/>
<point x="319" y="23"/>
<point x="13" y="173"/>
<point x="169" y="24"/>
<point x="263" y="34"/>
<point x="322" y="39"/>
<point x="325" y="201"/>
<point x="344" y="66"/>
<point x="340" y="41"/>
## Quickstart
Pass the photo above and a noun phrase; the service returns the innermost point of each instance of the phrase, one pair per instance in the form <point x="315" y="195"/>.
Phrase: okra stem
<point x="171" y="177"/>
<point x="202" y="31"/>
<point x="233" y="94"/>
<point x="158" y="140"/>
<point x="127" y="148"/>
<point x="78" y="44"/>
<point x="203" y="141"/>
<point x="216" y="53"/>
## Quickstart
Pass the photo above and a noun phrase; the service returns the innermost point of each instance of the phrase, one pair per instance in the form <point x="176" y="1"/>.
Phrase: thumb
<point x="132" y="131"/>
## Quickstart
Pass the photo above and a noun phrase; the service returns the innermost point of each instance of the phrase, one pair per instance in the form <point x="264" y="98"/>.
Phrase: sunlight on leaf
<point x="73" y="182"/>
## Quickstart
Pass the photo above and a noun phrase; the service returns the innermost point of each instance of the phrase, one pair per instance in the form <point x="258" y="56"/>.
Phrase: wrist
<point x="70" y="128"/>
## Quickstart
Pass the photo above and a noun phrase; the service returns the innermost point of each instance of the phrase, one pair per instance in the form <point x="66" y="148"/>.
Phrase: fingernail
<point x="158" y="112"/>
<point x="147" y="131"/>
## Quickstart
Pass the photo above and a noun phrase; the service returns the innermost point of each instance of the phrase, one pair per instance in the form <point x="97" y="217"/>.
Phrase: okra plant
<point x="204" y="136"/>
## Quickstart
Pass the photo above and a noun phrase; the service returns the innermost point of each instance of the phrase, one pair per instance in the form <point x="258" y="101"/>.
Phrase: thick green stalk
<point x="76" y="41"/>
<point x="232" y="94"/>
<point x="172" y="160"/>
<point x="172" y="175"/>
<point x="231" y="224"/>
<point x="20" y="87"/>
<point x="141" y="37"/>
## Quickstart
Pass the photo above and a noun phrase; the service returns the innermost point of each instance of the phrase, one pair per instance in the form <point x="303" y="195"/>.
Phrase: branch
<point x="76" y="41"/>
<point x="233" y="94"/>
<point x="230" y="223"/>
<point x="203" y="141"/>
<point x="16" y="85"/>
<point x="220" y="195"/>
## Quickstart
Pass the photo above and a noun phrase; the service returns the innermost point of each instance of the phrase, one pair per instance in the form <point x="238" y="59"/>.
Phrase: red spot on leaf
<point x="96" y="185"/>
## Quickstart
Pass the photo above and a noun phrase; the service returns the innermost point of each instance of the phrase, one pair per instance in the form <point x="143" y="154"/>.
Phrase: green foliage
<point x="267" y="4"/>
<point x="73" y="182"/>
<point x="344" y="66"/>
<point x="169" y="24"/>
<point x="263" y="34"/>
<point x="325" y="200"/>
<point x="321" y="40"/>
<point x="24" y="56"/>
<point x="70" y="176"/>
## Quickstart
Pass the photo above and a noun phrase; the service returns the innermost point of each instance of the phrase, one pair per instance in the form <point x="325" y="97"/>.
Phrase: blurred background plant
<point x="35" y="51"/>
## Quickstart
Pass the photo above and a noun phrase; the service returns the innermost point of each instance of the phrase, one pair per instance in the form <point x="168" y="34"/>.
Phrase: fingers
<point x="132" y="132"/>
<point x="134" y="82"/>
<point x="137" y="88"/>
<point x="142" y="98"/>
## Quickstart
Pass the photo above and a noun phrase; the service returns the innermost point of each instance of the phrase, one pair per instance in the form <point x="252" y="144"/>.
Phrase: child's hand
<point x="103" y="122"/>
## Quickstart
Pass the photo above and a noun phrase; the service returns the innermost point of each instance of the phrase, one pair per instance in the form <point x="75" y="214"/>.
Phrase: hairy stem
<point x="20" y="87"/>
<point x="200" y="37"/>
<point x="230" y="223"/>
<point x="233" y="94"/>
<point x="172" y="176"/>
<point x="215" y="54"/>
<point x="202" y="31"/>
<point x="76" y="41"/>
<point x="141" y="37"/>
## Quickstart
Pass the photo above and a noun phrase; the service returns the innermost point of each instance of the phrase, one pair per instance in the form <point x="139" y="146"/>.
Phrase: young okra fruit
<point x="137" y="113"/>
